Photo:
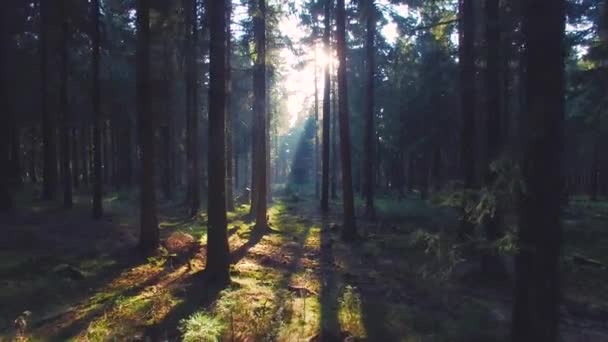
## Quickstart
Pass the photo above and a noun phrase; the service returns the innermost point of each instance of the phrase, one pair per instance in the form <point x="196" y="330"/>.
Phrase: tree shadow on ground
<point x="329" y="323"/>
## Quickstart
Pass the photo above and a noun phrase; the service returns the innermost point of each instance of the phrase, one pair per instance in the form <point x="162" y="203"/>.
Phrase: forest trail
<point x="296" y="282"/>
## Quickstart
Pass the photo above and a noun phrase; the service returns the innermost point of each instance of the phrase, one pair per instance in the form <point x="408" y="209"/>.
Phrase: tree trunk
<point x="349" y="230"/>
<point x="49" y="186"/>
<point x="316" y="128"/>
<point x="75" y="159"/>
<point x="326" y="111"/>
<point x="368" y="144"/>
<point x="149" y="237"/>
<point x="97" y="121"/>
<point x="218" y="258"/>
<point x="537" y="290"/>
<point x="6" y="196"/>
<point x="229" y="128"/>
<point x="334" y="143"/>
<point x="259" y="28"/>
<point x="467" y="86"/>
<point x="65" y="119"/>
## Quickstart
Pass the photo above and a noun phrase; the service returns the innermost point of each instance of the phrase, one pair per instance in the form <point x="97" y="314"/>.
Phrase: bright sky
<point x="299" y="71"/>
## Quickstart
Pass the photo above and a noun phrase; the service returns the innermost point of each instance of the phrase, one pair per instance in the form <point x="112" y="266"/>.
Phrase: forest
<point x="304" y="170"/>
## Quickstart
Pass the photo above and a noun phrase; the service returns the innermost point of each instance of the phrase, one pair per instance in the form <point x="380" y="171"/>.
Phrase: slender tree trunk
<point x="75" y="159"/>
<point x="368" y="144"/>
<point x="49" y="186"/>
<point x="218" y="258"/>
<point x="33" y="156"/>
<point x="6" y="195"/>
<point x="15" y="143"/>
<point x="334" y="142"/>
<point x="467" y="82"/>
<point x="229" y="128"/>
<point x="349" y="230"/>
<point x="326" y="110"/>
<point x="97" y="120"/>
<point x="149" y="237"/>
<point x="537" y="289"/>
<point x="316" y="128"/>
<point x="595" y="170"/>
<point x="260" y="115"/>
<point x="65" y="129"/>
<point x="84" y="145"/>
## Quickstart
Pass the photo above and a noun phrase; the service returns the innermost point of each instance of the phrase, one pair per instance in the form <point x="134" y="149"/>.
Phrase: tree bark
<point x="218" y="258"/>
<point x="368" y="144"/>
<point x="349" y="230"/>
<point x="467" y="85"/>
<point x="537" y="290"/>
<point x="65" y="119"/>
<point x="149" y="236"/>
<point x="229" y="128"/>
<point x="326" y="110"/>
<point x="49" y="186"/>
<point x="97" y="176"/>
<point x="259" y="28"/>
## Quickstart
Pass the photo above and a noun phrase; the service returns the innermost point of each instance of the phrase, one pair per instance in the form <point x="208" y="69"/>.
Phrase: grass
<point x="292" y="283"/>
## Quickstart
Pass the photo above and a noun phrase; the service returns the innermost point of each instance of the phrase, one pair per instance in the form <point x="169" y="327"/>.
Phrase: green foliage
<point x="350" y="311"/>
<point x="446" y="254"/>
<point x="202" y="327"/>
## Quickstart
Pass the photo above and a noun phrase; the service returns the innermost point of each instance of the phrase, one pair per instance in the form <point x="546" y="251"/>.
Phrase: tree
<point x="259" y="104"/>
<point x="149" y="236"/>
<point x="229" y="128"/>
<point x="218" y="254"/>
<point x="192" y="106"/>
<point x="370" y="135"/>
<point x="535" y="312"/>
<point x="349" y="231"/>
<point x="49" y="186"/>
<point x="97" y="180"/>
<point x="65" y="129"/>
<point x="326" y="110"/>
<point x="467" y="99"/>
<point x="6" y="197"/>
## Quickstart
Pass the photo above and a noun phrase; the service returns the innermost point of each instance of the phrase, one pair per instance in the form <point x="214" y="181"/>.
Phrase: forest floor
<point x="403" y="280"/>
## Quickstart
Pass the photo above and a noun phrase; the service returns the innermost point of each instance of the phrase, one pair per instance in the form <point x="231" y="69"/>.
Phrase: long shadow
<point x="128" y="261"/>
<point x="330" y="327"/>
<point x="201" y="293"/>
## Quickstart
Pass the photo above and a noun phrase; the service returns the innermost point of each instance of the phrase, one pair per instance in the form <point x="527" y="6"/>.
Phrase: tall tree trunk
<point x="467" y="85"/>
<point x="595" y="169"/>
<point x="326" y="110"/>
<point x="229" y="128"/>
<point x="15" y="143"/>
<point x="218" y="258"/>
<point x="259" y="28"/>
<point x="33" y="157"/>
<point x="316" y="128"/>
<point x="192" y="109"/>
<point x="75" y="159"/>
<point x="537" y="290"/>
<point x="6" y="196"/>
<point x="97" y="120"/>
<point x="491" y="263"/>
<point x="334" y="143"/>
<point x="65" y="119"/>
<point x="368" y="144"/>
<point x="49" y="186"/>
<point x="149" y="237"/>
<point x="349" y="230"/>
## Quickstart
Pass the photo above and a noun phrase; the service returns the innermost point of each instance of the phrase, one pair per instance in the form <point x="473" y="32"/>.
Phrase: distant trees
<point x="535" y="313"/>
<point x="65" y="117"/>
<point x="349" y="230"/>
<point x="218" y="258"/>
<point x="149" y="235"/>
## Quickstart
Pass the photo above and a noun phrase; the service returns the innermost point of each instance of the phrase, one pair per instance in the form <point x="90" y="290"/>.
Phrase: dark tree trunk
<point x="259" y="28"/>
<point x="49" y="186"/>
<point x="218" y="255"/>
<point x="65" y="119"/>
<point x="537" y="290"/>
<point x="97" y="120"/>
<point x="149" y="237"/>
<point x="33" y="156"/>
<point x="595" y="170"/>
<point x="326" y="111"/>
<point x="84" y="145"/>
<point x="316" y="128"/>
<point x="491" y="263"/>
<point x="192" y="108"/>
<point x="6" y="196"/>
<point x="75" y="159"/>
<point x="466" y="52"/>
<point x="229" y="128"/>
<point x="368" y="144"/>
<point x="334" y="143"/>
<point x="349" y="230"/>
<point x="15" y="136"/>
